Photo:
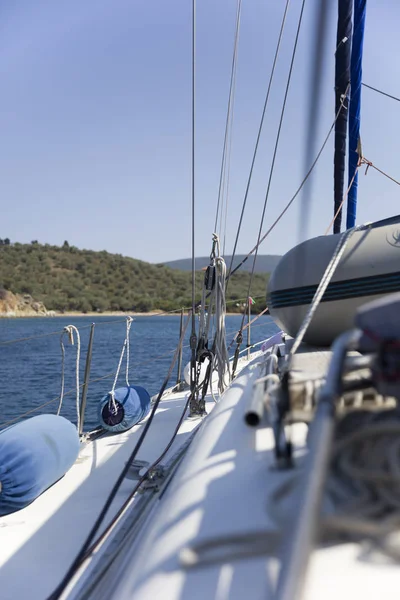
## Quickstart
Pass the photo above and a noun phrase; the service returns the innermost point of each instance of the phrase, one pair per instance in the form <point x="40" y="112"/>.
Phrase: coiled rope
<point x="362" y="494"/>
<point x="214" y="287"/>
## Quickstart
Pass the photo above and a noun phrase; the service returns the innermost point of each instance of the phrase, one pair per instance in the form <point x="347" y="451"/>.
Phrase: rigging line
<point x="146" y="426"/>
<point x="228" y="148"/>
<point x="98" y="323"/>
<point x="109" y="322"/>
<point x="250" y="323"/>
<point x="139" y="483"/>
<point x="31" y="337"/>
<point x="293" y="198"/>
<point x="29" y="412"/>
<point x="344" y="199"/>
<point x="258" y="138"/>
<point x="275" y="149"/>
<point x="228" y="169"/>
<point x="369" y="164"/>
<point x="380" y="92"/>
<point x="97" y="379"/>
<point x="231" y="87"/>
<point x="142" y="479"/>
<point x="193" y="337"/>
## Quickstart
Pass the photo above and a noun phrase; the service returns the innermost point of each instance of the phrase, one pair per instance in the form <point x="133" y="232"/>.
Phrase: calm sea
<point x="30" y="369"/>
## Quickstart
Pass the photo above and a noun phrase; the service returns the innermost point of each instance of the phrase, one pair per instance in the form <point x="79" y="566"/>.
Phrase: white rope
<point x="125" y="345"/>
<point x="70" y="330"/>
<point x="62" y="372"/>
<point x="216" y="308"/>
<point x="362" y="490"/>
<point x="128" y="328"/>
<point x="325" y="280"/>
<point x="221" y="350"/>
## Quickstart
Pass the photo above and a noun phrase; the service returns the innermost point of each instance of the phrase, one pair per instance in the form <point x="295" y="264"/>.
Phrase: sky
<point x="95" y="122"/>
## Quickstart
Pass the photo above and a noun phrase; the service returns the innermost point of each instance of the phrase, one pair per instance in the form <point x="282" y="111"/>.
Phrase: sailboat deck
<point x="225" y="487"/>
<point x="39" y="542"/>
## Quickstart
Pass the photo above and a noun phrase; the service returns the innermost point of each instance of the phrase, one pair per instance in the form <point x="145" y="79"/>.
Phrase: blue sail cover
<point x="355" y="106"/>
<point x="342" y="80"/>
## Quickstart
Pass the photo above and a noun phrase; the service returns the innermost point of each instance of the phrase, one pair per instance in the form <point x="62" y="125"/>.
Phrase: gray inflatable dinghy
<point x="369" y="268"/>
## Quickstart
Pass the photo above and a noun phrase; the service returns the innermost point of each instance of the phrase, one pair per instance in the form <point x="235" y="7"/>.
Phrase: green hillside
<point x="68" y="279"/>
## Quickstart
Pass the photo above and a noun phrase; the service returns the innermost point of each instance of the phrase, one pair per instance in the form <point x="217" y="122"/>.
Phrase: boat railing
<point x="88" y="380"/>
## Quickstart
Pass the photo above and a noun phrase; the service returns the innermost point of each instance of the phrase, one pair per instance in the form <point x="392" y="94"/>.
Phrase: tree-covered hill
<point x="68" y="279"/>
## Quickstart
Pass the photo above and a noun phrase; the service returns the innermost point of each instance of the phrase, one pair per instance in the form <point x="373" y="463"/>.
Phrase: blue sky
<point x="95" y="122"/>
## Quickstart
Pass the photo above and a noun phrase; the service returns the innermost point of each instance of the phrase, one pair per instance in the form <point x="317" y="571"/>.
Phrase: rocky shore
<point x="21" y="305"/>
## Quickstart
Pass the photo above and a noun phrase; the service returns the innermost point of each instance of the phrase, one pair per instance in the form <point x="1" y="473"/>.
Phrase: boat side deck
<point x="41" y="540"/>
<point x="226" y="486"/>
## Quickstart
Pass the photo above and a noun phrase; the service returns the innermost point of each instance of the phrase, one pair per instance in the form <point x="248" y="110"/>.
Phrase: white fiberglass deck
<point x="222" y="488"/>
<point x="39" y="543"/>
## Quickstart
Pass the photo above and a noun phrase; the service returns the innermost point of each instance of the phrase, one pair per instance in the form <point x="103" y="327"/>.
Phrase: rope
<point x="326" y="278"/>
<point x="362" y="161"/>
<point x="293" y="198"/>
<point x="31" y="337"/>
<point x="71" y="391"/>
<point x="380" y="92"/>
<point x="270" y="178"/>
<point x="193" y="336"/>
<point x="276" y="145"/>
<point x="70" y="330"/>
<point x="98" y="323"/>
<point x="218" y="356"/>
<point x="109" y="375"/>
<point x="362" y="491"/>
<point x="221" y="350"/>
<point x="128" y="328"/>
<point x="125" y="345"/>
<point x="33" y="410"/>
<point x="229" y="112"/>
<point x="258" y="137"/>
<point x="251" y="323"/>
<point x="228" y="175"/>
<point x="149" y="469"/>
<point x="62" y="372"/>
<point x="370" y="164"/>
<point x="344" y="197"/>
<point x="108" y="322"/>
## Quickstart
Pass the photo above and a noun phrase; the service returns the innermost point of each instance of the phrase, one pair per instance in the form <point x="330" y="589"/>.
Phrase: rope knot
<point x="69" y="330"/>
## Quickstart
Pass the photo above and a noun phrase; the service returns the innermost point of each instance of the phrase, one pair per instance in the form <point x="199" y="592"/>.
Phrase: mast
<point x="355" y="108"/>
<point x="342" y="81"/>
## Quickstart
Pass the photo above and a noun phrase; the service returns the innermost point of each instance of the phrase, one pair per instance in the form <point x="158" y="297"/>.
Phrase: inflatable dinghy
<point x="368" y="269"/>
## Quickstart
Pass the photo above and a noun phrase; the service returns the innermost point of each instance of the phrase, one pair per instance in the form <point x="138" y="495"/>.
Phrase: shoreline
<point x="72" y="314"/>
<point x="56" y="315"/>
